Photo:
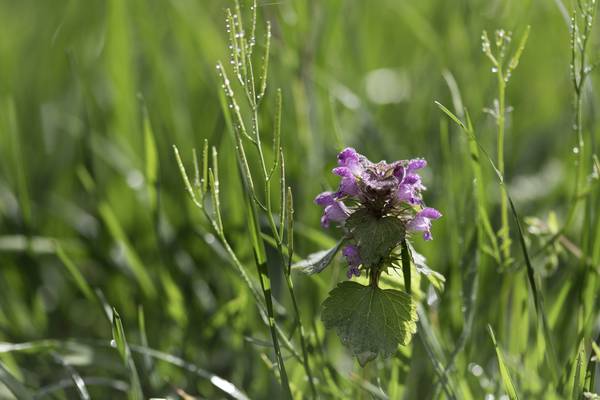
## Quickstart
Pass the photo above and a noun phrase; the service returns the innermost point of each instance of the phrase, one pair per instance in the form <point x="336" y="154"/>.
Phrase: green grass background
<point x="75" y="78"/>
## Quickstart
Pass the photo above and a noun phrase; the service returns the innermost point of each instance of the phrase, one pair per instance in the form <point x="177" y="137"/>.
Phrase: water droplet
<point x="575" y="150"/>
<point x="113" y="343"/>
<point x="494" y="70"/>
<point x="475" y="369"/>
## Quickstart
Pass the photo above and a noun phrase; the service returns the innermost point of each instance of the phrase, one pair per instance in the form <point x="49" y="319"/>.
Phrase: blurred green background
<point x="75" y="79"/>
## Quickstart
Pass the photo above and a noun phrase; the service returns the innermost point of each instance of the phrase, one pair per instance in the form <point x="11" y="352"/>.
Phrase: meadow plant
<point x="99" y="274"/>
<point x="378" y="205"/>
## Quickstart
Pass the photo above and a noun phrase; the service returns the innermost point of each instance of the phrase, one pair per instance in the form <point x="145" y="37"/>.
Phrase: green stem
<point x="279" y="238"/>
<point x="500" y="121"/>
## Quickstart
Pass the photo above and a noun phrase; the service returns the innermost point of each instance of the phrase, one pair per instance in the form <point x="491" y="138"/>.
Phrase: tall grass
<point x="130" y="269"/>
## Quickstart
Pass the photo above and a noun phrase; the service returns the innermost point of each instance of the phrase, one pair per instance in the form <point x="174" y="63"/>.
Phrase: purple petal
<point x="411" y="179"/>
<point x="419" y="224"/>
<point x="352" y="255"/>
<point x="350" y="159"/>
<point x="399" y="172"/>
<point x="348" y="187"/>
<point x="342" y="171"/>
<point x="408" y="194"/>
<point x="352" y="271"/>
<point x="430" y="213"/>
<point x="335" y="212"/>
<point x="348" y="156"/>
<point x="324" y="199"/>
<point x="422" y="222"/>
<point x="416" y="163"/>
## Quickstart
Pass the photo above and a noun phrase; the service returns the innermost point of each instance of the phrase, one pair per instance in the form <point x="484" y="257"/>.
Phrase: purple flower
<point x="348" y="185"/>
<point x="349" y="158"/>
<point x="378" y="191"/>
<point x="416" y="163"/>
<point x="353" y="257"/>
<point x="422" y="221"/>
<point x="334" y="210"/>
<point x="324" y="199"/>
<point x="408" y="194"/>
<point x="350" y="168"/>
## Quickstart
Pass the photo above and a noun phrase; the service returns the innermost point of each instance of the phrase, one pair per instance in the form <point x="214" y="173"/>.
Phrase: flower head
<point x="374" y="201"/>
<point x="422" y="221"/>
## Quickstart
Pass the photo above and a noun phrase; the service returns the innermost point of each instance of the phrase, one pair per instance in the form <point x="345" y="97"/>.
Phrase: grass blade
<point x="14" y="385"/>
<point x="75" y="377"/>
<point x="138" y="269"/>
<point x="120" y="342"/>
<point x="220" y="383"/>
<point x="77" y="276"/>
<point x="504" y="373"/>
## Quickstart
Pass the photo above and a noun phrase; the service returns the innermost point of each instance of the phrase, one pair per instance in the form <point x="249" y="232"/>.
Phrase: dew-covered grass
<point x="158" y="165"/>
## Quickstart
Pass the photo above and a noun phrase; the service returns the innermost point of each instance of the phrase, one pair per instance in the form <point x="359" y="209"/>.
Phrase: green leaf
<point x="375" y="236"/>
<point x="370" y="320"/>
<point x="317" y="262"/>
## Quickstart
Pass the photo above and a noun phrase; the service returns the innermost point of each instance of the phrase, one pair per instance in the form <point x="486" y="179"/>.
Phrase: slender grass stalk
<point x="245" y="126"/>
<point x="503" y="70"/>
<point x="584" y="15"/>
<point x="243" y="66"/>
<point x="500" y="123"/>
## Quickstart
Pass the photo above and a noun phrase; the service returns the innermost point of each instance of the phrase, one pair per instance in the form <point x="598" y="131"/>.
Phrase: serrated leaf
<point x="368" y="320"/>
<point x="375" y="236"/>
<point x="317" y="262"/>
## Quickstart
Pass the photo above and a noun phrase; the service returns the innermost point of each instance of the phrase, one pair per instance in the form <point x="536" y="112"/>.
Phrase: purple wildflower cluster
<point x="383" y="190"/>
